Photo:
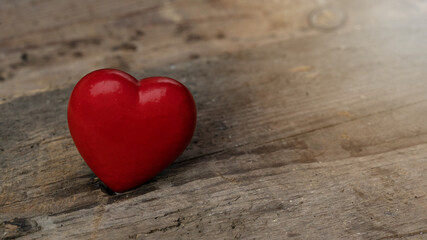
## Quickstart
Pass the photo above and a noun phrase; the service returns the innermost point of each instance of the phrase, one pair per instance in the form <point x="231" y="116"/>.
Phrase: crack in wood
<point x="404" y="235"/>
<point x="167" y="228"/>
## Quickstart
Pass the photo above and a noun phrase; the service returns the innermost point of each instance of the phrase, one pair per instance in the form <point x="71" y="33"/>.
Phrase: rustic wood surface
<point x="312" y="118"/>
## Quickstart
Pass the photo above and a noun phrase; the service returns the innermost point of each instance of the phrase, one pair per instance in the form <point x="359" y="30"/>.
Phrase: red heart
<point x="127" y="130"/>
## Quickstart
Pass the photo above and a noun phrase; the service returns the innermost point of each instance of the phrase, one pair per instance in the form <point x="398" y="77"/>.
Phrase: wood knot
<point x="18" y="227"/>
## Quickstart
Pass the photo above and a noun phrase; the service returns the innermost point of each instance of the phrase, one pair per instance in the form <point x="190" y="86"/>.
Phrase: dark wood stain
<point x="125" y="46"/>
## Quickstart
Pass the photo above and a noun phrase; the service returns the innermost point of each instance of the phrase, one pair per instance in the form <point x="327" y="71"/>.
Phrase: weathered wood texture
<point x="312" y="119"/>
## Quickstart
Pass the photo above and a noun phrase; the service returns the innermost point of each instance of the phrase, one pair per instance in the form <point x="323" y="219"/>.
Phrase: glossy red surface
<point x="127" y="130"/>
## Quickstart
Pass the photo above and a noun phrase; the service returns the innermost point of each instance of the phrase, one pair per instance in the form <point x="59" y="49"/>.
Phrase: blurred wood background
<point x="312" y="118"/>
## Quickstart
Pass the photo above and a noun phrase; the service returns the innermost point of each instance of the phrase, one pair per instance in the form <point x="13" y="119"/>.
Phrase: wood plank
<point x="64" y="40"/>
<point x="317" y="136"/>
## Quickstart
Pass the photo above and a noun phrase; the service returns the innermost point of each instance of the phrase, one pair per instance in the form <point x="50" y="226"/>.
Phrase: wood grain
<point x="306" y="130"/>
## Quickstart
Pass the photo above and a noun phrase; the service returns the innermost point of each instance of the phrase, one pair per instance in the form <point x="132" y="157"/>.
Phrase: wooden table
<point x="312" y="118"/>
